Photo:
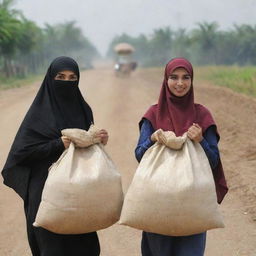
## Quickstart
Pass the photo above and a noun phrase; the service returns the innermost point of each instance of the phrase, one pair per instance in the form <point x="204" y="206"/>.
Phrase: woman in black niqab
<point x="38" y="143"/>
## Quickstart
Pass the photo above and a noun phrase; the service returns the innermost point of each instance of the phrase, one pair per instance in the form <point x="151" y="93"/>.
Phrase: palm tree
<point x="205" y="38"/>
<point x="9" y="34"/>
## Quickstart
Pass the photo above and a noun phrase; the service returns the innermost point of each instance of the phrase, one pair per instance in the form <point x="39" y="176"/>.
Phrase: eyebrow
<point x="59" y="73"/>
<point x="177" y="74"/>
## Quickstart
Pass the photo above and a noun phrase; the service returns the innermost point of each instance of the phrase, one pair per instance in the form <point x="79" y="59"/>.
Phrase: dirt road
<point x="118" y="105"/>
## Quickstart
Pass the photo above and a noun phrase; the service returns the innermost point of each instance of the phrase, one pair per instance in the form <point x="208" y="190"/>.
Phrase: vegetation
<point x="26" y="48"/>
<point x="14" y="82"/>
<point x="240" y="79"/>
<point x="204" y="45"/>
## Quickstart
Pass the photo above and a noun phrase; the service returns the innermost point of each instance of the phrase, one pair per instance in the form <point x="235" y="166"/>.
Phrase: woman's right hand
<point x="66" y="141"/>
<point x="157" y="136"/>
<point x="153" y="137"/>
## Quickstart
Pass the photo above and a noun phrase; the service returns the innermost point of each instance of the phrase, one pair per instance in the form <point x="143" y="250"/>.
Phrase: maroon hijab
<point x="177" y="114"/>
<point x="174" y="113"/>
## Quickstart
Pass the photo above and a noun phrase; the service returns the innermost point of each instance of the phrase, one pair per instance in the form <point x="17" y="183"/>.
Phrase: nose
<point x="180" y="82"/>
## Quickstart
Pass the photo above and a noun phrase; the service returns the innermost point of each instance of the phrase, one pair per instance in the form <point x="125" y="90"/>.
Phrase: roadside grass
<point x="240" y="79"/>
<point x="15" y="82"/>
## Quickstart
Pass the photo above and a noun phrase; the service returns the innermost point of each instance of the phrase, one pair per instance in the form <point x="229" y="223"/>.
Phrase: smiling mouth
<point x="179" y="89"/>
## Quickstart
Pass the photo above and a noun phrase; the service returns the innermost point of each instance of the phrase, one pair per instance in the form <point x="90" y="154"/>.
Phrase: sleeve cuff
<point x="148" y="143"/>
<point x="204" y="143"/>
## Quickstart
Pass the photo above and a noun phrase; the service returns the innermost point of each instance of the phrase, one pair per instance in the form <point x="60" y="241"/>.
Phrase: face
<point x="66" y="75"/>
<point x="179" y="82"/>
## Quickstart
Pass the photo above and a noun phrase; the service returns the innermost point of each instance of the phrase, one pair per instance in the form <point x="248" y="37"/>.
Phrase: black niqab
<point x="57" y="105"/>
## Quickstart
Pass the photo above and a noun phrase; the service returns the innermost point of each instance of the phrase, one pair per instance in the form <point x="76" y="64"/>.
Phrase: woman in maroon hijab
<point x="177" y="112"/>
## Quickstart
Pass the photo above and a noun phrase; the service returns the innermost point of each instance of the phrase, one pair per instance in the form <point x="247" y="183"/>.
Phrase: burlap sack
<point x="173" y="191"/>
<point x="83" y="191"/>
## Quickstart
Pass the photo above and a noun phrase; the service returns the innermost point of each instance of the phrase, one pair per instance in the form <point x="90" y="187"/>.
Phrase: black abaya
<point x="58" y="105"/>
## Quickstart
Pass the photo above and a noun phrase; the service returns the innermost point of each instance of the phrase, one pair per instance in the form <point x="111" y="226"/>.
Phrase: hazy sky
<point x="101" y="20"/>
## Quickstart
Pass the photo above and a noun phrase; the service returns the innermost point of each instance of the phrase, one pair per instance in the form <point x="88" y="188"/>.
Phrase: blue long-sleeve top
<point x="209" y="142"/>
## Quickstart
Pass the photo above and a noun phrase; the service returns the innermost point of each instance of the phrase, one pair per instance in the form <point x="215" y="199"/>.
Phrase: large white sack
<point x="173" y="191"/>
<point x="83" y="191"/>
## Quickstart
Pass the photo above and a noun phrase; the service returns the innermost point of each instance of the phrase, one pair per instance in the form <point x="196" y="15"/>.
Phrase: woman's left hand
<point x="103" y="134"/>
<point x="195" y="133"/>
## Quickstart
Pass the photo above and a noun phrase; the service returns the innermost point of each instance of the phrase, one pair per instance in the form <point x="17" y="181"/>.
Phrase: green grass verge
<point x="240" y="79"/>
<point x="14" y="82"/>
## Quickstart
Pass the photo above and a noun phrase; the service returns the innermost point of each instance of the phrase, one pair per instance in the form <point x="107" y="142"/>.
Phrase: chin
<point x="180" y="94"/>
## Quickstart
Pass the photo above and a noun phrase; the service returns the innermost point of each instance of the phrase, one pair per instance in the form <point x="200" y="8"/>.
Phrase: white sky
<point x="101" y="20"/>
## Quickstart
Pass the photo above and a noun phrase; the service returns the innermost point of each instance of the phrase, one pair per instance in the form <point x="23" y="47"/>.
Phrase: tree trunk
<point x="7" y="67"/>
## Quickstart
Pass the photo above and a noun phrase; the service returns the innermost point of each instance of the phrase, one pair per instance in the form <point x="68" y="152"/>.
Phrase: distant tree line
<point x="204" y="45"/>
<point x="26" y="48"/>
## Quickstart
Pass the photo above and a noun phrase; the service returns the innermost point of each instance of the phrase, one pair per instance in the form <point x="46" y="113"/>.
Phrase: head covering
<point x="174" y="113"/>
<point x="57" y="105"/>
<point x="60" y="103"/>
<point x="177" y="114"/>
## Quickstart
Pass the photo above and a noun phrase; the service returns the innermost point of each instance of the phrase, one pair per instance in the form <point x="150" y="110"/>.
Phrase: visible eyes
<point x="73" y="77"/>
<point x="61" y="76"/>
<point x="175" y="77"/>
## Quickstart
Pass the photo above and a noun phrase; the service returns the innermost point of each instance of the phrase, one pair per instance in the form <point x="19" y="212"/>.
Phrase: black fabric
<point x="57" y="105"/>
